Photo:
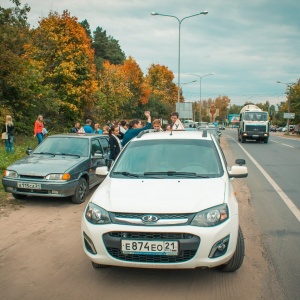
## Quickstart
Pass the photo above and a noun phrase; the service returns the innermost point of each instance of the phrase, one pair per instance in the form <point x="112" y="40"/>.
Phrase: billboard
<point x="233" y="118"/>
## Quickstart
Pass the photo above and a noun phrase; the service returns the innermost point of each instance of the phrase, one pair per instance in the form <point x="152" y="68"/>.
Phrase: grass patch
<point x="21" y="144"/>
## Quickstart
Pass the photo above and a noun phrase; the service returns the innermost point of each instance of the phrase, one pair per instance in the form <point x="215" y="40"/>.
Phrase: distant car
<point x="221" y="127"/>
<point x="167" y="202"/>
<point x="215" y="132"/>
<point x="273" y="128"/>
<point x="61" y="166"/>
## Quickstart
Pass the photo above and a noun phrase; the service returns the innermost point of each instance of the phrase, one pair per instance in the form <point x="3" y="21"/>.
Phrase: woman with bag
<point x="38" y="128"/>
<point x="8" y="130"/>
<point x="114" y="142"/>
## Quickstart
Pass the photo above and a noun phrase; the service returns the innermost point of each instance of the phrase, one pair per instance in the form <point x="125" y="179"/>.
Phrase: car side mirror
<point x="98" y="154"/>
<point x="29" y="151"/>
<point x="238" y="172"/>
<point x="102" y="171"/>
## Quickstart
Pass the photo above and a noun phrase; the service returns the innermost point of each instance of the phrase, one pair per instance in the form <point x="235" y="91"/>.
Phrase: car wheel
<point x="243" y="139"/>
<point x="81" y="192"/>
<point x="237" y="259"/>
<point x="266" y="140"/>
<point x="98" y="266"/>
<point x="19" y="197"/>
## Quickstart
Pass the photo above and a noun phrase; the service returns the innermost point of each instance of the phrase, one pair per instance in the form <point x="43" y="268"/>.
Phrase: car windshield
<point x="256" y="116"/>
<point x="169" y="159"/>
<point x="64" y="145"/>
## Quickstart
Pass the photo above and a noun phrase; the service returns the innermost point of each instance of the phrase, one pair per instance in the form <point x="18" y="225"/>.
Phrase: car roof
<point x="78" y="135"/>
<point x="175" y="134"/>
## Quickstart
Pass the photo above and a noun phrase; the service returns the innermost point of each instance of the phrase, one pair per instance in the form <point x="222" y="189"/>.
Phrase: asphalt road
<point x="275" y="195"/>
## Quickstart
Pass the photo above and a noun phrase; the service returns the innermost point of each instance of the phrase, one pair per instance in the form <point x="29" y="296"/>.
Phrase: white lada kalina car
<point x="166" y="202"/>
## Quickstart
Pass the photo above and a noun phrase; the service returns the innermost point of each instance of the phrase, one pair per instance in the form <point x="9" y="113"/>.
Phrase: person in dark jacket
<point x="76" y="127"/>
<point x="135" y="127"/>
<point x="114" y="142"/>
<point x="9" y="128"/>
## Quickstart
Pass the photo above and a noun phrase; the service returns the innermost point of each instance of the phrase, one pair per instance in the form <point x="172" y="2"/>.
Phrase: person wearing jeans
<point x="38" y="128"/>
<point x="9" y="128"/>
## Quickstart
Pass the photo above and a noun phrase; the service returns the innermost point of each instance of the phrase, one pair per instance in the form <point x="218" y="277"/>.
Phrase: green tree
<point x="106" y="48"/>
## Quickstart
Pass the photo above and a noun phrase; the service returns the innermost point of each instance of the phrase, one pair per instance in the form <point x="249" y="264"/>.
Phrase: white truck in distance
<point x="254" y="124"/>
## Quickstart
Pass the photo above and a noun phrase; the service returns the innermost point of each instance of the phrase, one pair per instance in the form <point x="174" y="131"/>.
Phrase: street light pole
<point x="200" y="77"/>
<point x="289" y="106"/>
<point x="179" y="29"/>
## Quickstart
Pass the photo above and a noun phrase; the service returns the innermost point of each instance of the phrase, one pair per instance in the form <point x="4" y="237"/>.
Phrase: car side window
<point x="105" y="145"/>
<point x="96" y="147"/>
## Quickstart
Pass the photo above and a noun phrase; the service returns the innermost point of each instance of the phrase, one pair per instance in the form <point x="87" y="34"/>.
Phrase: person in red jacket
<point x="38" y="128"/>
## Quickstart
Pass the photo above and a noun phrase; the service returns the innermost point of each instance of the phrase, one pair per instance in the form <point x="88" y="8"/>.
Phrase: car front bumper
<point x="47" y="188"/>
<point x="102" y="244"/>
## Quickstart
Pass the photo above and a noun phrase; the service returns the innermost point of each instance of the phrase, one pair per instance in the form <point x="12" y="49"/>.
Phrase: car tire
<point x="237" y="259"/>
<point x="266" y="140"/>
<point x="19" y="197"/>
<point x="81" y="192"/>
<point x="243" y="139"/>
<point x="99" y="266"/>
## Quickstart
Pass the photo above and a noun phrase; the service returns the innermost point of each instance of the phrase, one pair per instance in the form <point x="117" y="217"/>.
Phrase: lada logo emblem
<point x="150" y="219"/>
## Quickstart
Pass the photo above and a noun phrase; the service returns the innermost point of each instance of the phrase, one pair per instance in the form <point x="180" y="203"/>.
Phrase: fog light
<point x="54" y="192"/>
<point x="244" y="134"/>
<point x="219" y="248"/>
<point x="89" y="245"/>
<point x="9" y="189"/>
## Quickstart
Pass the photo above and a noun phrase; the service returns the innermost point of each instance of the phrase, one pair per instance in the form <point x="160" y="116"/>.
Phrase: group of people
<point x="120" y="133"/>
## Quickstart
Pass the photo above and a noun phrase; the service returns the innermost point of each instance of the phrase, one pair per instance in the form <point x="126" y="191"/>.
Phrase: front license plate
<point x="28" y="185"/>
<point x="150" y="247"/>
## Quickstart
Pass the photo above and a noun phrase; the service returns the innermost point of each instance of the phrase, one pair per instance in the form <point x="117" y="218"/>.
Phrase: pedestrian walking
<point x="38" y="128"/>
<point x="114" y="142"/>
<point x="8" y="130"/>
<point x="135" y="127"/>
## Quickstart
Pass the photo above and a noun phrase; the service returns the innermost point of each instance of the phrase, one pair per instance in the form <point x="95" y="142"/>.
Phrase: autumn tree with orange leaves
<point x="61" y="51"/>
<point x="164" y="91"/>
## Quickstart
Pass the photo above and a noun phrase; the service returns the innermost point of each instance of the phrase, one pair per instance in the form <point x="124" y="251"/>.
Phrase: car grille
<point x="256" y="128"/>
<point x="32" y="177"/>
<point x="29" y="191"/>
<point x="162" y="219"/>
<point x="181" y="257"/>
<point x="162" y="216"/>
<point x="151" y="235"/>
<point x="188" y="246"/>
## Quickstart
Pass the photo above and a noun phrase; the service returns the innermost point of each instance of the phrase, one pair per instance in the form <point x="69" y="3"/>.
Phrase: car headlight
<point x="64" y="176"/>
<point x="211" y="217"/>
<point x="11" y="174"/>
<point x="96" y="215"/>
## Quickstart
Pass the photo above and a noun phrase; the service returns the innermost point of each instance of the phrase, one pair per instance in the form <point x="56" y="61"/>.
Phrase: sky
<point x="247" y="45"/>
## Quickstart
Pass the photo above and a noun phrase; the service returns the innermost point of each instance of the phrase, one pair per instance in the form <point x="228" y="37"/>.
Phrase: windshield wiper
<point x="68" y="154"/>
<point x="127" y="174"/>
<point x="48" y="153"/>
<point x="174" y="173"/>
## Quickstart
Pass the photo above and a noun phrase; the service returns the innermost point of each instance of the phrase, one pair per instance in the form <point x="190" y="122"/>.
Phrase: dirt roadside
<point x="41" y="257"/>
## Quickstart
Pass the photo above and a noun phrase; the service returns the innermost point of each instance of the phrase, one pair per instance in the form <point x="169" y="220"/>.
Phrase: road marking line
<point x="290" y="204"/>
<point x="287" y="145"/>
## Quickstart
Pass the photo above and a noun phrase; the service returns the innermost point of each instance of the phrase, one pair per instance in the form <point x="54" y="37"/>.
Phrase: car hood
<point x="159" y="196"/>
<point x="41" y="165"/>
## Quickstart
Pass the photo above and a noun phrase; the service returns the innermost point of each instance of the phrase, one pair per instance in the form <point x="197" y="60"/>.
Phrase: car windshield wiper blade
<point x="128" y="174"/>
<point x="174" y="173"/>
<point x="68" y="154"/>
<point x="48" y="153"/>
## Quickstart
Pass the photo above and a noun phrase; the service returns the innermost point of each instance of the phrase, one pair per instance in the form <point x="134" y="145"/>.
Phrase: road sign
<point x="289" y="115"/>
